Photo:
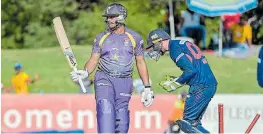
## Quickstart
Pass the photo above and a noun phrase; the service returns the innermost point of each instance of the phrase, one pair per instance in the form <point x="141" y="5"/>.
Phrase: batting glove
<point x="79" y="74"/>
<point x="147" y="96"/>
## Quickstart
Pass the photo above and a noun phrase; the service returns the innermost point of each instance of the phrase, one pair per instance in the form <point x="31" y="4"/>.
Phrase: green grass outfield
<point x="234" y="76"/>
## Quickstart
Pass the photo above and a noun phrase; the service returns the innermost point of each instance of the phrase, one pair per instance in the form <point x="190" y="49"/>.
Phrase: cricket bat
<point x="65" y="46"/>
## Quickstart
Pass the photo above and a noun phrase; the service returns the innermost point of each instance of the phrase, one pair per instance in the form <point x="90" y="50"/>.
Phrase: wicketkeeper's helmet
<point x="154" y="43"/>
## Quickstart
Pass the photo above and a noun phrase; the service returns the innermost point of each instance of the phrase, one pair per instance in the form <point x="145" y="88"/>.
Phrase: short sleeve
<point x="25" y="76"/>
<point x="96" y="47"/>
<point x="139" y="46"/>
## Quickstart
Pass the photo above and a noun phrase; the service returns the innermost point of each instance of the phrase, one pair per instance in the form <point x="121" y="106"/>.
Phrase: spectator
<point x="256" y="12"/>
<point x="241" y="32"/>
<point x="229" y="20"/>
<point x="177" y="113"/>
<point x="191" y="26"/>
<point x="256" y="21"/>
<point x="21" y="80"/>
<point x="259" y="9"/>
<point x="214" y="41"/>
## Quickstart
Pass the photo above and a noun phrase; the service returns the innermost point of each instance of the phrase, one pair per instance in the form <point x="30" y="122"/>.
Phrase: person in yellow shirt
<point x="21" y="80"/>
<point x="241" y="33"/>
<point x="176" y="114"/>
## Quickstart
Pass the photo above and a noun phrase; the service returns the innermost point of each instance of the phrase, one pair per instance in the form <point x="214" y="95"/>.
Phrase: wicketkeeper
<point x="196" y="73"/>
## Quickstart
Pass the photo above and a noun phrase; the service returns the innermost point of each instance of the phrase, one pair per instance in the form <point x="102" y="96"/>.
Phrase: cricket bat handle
<point x="81" y="83"/>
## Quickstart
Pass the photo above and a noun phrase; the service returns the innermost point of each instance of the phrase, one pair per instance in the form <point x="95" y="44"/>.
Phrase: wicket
<point x="252" y="124"/>
<point x="221" y="120"/>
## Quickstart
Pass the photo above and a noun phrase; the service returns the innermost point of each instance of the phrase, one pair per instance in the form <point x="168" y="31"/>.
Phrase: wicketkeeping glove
<point x="170" y="84"/>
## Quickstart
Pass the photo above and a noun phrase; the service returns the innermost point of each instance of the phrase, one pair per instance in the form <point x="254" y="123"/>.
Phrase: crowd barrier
<point x="64" y="112"/>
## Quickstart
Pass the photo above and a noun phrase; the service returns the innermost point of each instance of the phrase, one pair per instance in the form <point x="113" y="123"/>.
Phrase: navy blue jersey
<point x="189" y="58"/>
<point x="260" y="68"/>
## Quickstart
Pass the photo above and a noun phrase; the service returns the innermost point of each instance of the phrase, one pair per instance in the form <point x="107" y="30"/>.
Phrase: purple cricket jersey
<point x="117" y="52"/>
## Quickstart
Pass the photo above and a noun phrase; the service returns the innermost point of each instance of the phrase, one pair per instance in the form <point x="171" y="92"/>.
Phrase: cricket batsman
<point x="196" y="73"/>
<point x="260" y="68"/>
<point x="114" y="51"/>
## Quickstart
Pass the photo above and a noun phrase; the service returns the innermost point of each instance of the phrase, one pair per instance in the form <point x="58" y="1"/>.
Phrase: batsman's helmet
<point x="116" y="10"/>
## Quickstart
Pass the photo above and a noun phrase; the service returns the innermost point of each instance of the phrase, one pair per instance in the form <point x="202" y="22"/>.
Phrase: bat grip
<point x="81" y="82"/>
